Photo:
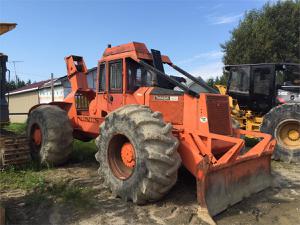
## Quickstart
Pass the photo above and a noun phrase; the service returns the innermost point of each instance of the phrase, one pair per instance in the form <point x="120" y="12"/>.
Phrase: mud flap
<point x="220" y="187"/>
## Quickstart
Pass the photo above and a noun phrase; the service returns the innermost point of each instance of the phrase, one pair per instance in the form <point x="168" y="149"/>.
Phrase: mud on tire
<point x="272" y="123"/>
<point x="157" y="159"/>
<point x="56" y="131"/>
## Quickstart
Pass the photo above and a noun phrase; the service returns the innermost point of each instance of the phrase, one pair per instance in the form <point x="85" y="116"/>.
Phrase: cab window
<point x="240" y="80"/>
<point x="262" y="78"/>
<point x="115" y="76"/>
<point x="288" y="76"/>
<point x="137" y="76"/>
<point x="102" y="78"/>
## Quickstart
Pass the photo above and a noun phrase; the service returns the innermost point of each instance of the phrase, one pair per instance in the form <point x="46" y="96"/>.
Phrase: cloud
<point x="206" y="64"/>
<point x="209" y="70"/>
<point x="211" y="55"/>
<point x="218" y="20"/>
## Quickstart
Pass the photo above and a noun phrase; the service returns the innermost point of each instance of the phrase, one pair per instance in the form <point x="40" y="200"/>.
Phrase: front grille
<point x="81" y="102"/>
<point x="218" y="112"/>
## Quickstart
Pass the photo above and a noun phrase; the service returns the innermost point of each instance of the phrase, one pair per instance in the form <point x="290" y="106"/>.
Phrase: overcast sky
<point x="189" y="32"/>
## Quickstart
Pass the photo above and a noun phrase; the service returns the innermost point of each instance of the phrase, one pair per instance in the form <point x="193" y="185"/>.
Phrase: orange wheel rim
<point x="128" y="155"/>
<point x="121" y="156"/>
<point x="37" y="136"/>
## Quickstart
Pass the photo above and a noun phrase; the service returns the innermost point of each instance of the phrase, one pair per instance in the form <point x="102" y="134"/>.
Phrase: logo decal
<point x="174" y="98"/>
<point x="203" y="119"/>
<point x="166" y="98"/>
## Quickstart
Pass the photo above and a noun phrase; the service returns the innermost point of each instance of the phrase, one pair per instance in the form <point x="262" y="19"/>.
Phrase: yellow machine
<point x="246" y="118"/>
<point x="266" y="97"/>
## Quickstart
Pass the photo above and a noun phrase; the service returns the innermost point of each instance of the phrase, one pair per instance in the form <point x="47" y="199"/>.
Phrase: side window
<point x="132" y="84"/>
<point x="115" y="76"/>
<point x="102" y="77"/>
<point x="137" y="76"/>
<point x="280" y="77"/>
<point x="262" y="78"/>
<point x="240" y="80"/>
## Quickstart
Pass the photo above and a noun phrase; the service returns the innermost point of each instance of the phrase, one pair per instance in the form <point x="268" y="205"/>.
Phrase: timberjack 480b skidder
<point x="145" y="130"/>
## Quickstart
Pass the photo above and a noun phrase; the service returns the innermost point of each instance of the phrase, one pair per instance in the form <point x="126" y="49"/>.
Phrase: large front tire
<point x="136" y="134"/>
<point x="50" y="135"/>
<point x="283" y="122"/>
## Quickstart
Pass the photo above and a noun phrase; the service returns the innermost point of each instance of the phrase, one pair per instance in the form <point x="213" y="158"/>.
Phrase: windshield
<point x="288" y="76"/>
<point x="240" y="79"/>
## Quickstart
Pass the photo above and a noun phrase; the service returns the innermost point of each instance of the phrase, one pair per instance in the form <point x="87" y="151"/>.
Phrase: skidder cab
<point x="147" y="123"/>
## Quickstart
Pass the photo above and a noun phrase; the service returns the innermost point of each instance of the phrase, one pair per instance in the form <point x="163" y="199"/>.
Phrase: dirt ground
<point x="279" y="204"/>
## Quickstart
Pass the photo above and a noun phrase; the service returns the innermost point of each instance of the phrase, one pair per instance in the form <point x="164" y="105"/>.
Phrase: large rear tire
<point x="137" y="154"/>
<point x="283" y="122"/>
<point x="50" y="135"/>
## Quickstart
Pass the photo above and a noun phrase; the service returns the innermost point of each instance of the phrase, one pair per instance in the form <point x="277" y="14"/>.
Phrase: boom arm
<point x="171" y="80"/>
<point x="197" y="81"/>
<point x="76" y="72"/>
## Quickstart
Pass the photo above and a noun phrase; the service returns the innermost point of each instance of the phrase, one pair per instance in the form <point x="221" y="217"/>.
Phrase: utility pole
<point x="52" y="88"/>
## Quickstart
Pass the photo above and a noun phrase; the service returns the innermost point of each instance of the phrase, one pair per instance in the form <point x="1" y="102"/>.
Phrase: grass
<point x="83" y="151"/>
<point x="31" y="175"/>
<point x="24" y="179"/>
<point x="33" y="179"/>
<point x="80" y="197"/>
<point x="18" y="128"/>
<point x="40" y="188"/>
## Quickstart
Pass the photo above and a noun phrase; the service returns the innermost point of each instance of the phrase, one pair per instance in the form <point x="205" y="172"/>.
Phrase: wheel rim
<point x="36" y="136"/>
<point x="121" y="157"/>
<point x="288" y="133"/>
<point x="128" y="155"/>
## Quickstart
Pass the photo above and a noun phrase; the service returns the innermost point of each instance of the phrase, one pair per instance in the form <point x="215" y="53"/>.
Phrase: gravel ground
<point x="279" y="204"/>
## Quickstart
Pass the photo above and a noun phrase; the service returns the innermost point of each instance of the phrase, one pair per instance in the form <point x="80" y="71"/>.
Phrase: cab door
<point x="115" y="85"/>
<point x="239" y="85"/>
<point x="263" y="87"/>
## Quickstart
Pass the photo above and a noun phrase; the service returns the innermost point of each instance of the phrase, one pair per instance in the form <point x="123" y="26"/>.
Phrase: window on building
<point x="115" y="76"/>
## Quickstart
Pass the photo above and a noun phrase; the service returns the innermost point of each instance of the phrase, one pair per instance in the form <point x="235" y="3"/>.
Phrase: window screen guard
<point x="115" y="76"/>
<point x="102" y="78"/>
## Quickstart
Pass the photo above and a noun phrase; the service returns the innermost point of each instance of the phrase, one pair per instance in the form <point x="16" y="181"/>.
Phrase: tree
<point x="218" y="80"/>
<point x="13" y="85"/>
<point x="271" y="34"/>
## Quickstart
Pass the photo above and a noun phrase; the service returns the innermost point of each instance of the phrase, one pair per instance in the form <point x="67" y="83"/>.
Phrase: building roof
<point x="56" y="82"/>
<point x="43" y="84"/>
<point x="92" y="69"/>
<point x="5" y="27"/>
<point x="30" y="87"/>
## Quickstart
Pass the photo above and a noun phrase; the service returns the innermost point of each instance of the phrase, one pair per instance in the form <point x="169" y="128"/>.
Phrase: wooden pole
<point x="52" y="88"/>
<point x="2" y="215"/>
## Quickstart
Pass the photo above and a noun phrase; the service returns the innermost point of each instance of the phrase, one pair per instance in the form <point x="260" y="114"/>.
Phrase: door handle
<point x="111" y="98"/>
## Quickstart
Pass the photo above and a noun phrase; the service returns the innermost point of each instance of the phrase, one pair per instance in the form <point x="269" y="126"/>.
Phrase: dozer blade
<point x="224" y="186"/>
<point x="226" y="171"/>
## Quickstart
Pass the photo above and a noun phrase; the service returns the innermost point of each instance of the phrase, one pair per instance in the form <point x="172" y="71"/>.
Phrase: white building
<point x="62" y="87"/>
<point x="21" y="100"/>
